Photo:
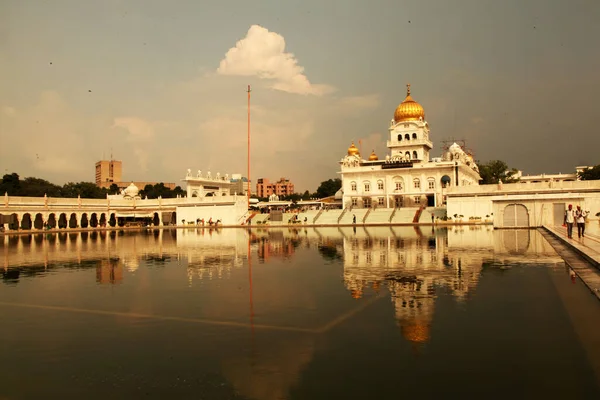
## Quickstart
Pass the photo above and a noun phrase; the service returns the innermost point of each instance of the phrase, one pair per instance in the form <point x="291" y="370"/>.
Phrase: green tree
<point x="328" y="188"/>
<point x="86" y="190"/>
<point x="590" y="174"/>
<point x="495" y="170"/>
<point x="11" y="184"/>
<point x="306" y="195"/>
<point x="114" y="189"/>
<point x="36" y="187"/>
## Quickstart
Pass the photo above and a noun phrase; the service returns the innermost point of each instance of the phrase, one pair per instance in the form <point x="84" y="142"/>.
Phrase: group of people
<point x="573" y="216"/>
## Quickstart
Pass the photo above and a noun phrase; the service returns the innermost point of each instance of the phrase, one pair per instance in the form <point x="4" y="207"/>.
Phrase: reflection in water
<point x="414" y="267"/>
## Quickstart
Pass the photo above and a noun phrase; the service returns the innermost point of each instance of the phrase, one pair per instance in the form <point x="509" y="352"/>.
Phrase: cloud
<point x="9" y="111"/>
<point x="262" y="53"/>
<point x="140" y="135"/>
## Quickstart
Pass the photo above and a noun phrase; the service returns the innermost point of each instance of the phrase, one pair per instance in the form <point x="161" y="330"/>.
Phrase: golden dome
<point x="373" y="156"/>
<point x="409" y="110"/>
<point x="353" y="150"/>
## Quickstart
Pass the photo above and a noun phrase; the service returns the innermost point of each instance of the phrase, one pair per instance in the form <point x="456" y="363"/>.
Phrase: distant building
<point x="283" y="187"/>
<point x="110" y="172"/>
<point x="240" y="185"/>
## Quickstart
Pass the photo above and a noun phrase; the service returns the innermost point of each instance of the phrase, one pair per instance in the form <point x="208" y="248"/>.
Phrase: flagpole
<point x="249" y="186"/>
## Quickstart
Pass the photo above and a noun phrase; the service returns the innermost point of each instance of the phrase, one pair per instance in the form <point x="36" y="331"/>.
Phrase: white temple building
<point x="407" y="176"/>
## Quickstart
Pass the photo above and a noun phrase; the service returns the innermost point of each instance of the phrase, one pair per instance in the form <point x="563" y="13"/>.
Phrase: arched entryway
<point x="516" y="241"/>
<point x="38" y="222"/>
<point x="51" y="221"/>
<point x="515" y="215"/>
<point x="102" y="220"/>
<point x="26" y="222"/>
<point x="94" y="220"/>
<point x="84" y="221"/>
<point x="62" y="221"/>
<point x="73" y="221"/>
<point x="112" y="221"/>
<point x="155" y="220"/>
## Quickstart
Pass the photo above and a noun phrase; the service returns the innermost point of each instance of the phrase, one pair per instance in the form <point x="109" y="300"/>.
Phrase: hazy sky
<point x="163" y="83"/>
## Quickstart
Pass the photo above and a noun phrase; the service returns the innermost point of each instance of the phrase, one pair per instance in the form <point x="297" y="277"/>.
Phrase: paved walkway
<point x="581" y="254"/>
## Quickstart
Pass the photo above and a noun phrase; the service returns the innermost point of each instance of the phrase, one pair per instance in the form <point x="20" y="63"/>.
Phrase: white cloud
<point x="140" y="135"/>
<point x="262" y="53"/>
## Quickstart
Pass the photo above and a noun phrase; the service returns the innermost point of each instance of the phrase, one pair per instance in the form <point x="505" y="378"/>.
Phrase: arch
<point x="195" y="193"/>
<point x="417" y="183"/>
<point x="353" y="186"/>
<point x="38" y="222"/>
<point x="62" y="221"/>
<point x="407" y="155"/>
<point x="380" y="185"/>
<point x="94" y="220"/>
<point x="224" y="194"/>
<point x="52" y="223"/>
<point x="515" y="215"/>
<point x="73" y="221"/>
<point x="415" y="155"/>
<point x="407" y="137"/>
<point x="399" y="137"/>
<point x="102" y="221"/>
<point x="13" y="222"/>
<point x="414" y="135"/>
<point x="112" y="220"/>
<point x="84" y="223"/>
<point x="156" y="219"/>
<point x="26" y="221"/>
<point x="174" y="218"/>
<point x="210" y="194"/>
<point x="445" y="181"/>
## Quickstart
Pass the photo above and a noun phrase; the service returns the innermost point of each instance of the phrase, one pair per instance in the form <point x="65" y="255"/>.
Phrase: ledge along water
<point x="581" y="254"/>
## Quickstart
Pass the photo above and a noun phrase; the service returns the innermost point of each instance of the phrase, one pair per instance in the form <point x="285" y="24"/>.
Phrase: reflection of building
<point x="283" y="187"/>
<point x="275" y="245"/>
<point x="109" y="271"/>
<point x="407" y="176"/>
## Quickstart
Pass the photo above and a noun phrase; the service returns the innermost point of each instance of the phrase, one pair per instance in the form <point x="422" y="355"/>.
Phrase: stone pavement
<point x="581" y="254"/>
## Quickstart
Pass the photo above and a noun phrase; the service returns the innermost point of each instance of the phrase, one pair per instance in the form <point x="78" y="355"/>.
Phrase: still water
<point x="324" y="313"/>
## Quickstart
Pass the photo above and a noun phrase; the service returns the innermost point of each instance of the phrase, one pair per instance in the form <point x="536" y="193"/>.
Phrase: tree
<point x="590" y="174"/>
<point x="329" y="188"/>
<point x="11" y="185"/>
<point x="306" y="195"/>
<point x="86" y="190"/>
<point x="496" y="170"/>
<point x="114" y="189"/>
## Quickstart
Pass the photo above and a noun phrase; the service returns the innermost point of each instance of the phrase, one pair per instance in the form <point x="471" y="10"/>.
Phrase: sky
<point x="161" y="85"/>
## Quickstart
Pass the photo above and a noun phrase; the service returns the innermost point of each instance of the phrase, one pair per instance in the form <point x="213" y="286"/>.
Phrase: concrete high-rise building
<point x="283" y="187"/>
<point x="108" y="172"/>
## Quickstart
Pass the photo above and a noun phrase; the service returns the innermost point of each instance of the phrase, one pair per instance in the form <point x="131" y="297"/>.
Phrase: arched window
<point x="407" y="136"/>
<point x="367" y="186"/>
<point x="353" y="186"/>
<point x="194" y="194"/>
<point x="430" y="183"/>
<point x="407" y="155"/>
<point x="398" y="183"/>
<point x="379" y="185"/>
<point x="414" y="135"/>
<point x="400" y="137"/>
<point x="445" y="181"/>
<point x="417" y="183"/>
<point x="415" y="156"/>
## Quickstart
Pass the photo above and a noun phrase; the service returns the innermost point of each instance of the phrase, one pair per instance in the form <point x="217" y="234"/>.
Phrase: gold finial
<point x="408" y="89"/>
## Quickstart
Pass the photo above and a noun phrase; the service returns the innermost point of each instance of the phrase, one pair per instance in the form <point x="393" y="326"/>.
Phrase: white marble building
<point x="207" y="185"/>
<point x="407" y="176"/>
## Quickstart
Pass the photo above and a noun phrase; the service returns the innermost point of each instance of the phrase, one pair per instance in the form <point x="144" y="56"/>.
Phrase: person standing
<point x="569" y="220"/>
<point x="353" y="219"/>
<point x="580" y="220"/>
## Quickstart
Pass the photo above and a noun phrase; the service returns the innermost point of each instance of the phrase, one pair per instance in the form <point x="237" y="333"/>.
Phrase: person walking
<point x="569" y="220"/>
<point x="580" y="221"/>
<point x="353" y="218"/>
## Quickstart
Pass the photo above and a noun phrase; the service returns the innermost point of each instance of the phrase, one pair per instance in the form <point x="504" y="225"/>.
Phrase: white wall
<point x="229" y="214"/>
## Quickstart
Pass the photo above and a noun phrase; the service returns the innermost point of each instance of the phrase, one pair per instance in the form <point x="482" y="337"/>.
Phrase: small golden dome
<point x="415" y="331"/>
<point x="373" y="156"/>
<point x="409" y="110"/>
<point x="353" y="150"/>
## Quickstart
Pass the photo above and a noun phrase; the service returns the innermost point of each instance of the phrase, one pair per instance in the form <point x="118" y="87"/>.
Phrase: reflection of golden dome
<point x="352" y="150"/>
<point x="373" y="156"/>
<point x="415" y="331"/>
<point x="356" y="294"/>
<point x="409" y="110"/>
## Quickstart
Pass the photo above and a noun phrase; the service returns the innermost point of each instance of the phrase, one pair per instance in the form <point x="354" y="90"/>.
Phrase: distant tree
<point x="154" y="191"/>
<point x="114" y="189"/>
<point x="328" y="188"/>
<point x="86" y="190"/>
<point x="590" y="174"/>
<point x="291" y="197"/>
<point x="36" y="187"/>
<point x="495" y="170"/>
<point x="11" y="184"/>
<point x="306" y="195"/>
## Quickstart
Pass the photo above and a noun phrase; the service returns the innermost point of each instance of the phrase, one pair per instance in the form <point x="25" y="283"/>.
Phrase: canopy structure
<point x="134" y="214"/>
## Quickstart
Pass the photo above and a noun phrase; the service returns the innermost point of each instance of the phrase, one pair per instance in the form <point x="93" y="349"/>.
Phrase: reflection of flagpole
<point x="250" y="283"/>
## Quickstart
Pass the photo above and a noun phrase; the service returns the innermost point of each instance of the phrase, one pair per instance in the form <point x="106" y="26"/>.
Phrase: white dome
<point x="131" y="190"/>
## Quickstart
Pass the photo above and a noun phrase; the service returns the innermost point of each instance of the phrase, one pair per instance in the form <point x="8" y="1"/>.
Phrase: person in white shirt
<point x="569" y="220"/>
<point x="580" y="220"/>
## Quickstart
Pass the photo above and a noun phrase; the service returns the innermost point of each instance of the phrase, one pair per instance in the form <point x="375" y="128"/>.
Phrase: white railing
<point x="523" y="187"/>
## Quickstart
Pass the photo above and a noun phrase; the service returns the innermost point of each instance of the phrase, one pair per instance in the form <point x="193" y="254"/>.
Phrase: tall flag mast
<point x="249" y="186"/>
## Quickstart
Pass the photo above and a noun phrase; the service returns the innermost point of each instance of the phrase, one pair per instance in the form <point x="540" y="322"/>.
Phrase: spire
<point x="408" y="89"/>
